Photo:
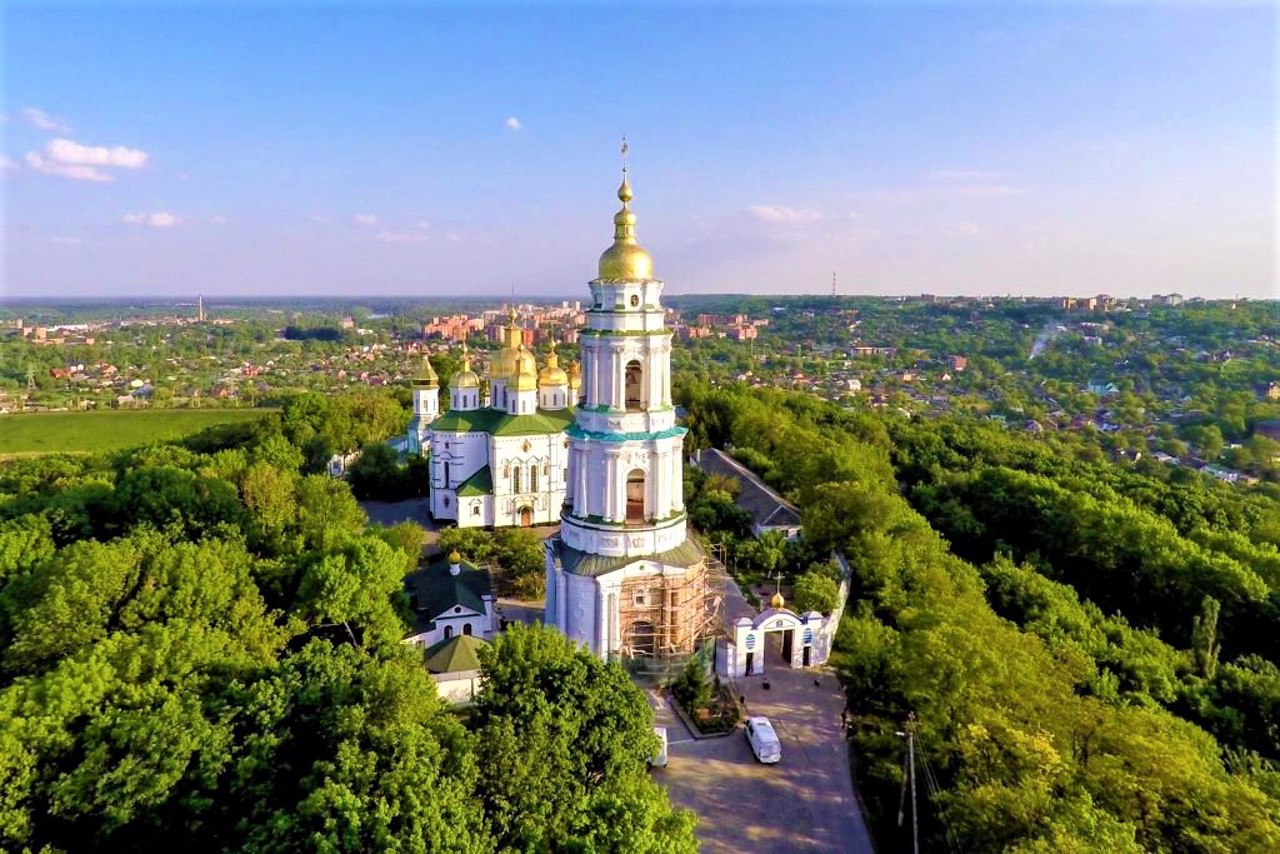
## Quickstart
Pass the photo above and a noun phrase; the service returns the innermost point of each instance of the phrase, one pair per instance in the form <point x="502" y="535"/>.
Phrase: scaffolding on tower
<point x="665" y="619"/>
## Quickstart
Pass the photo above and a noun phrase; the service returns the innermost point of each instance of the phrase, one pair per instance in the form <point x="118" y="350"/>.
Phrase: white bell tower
<point x="625" y="495"/>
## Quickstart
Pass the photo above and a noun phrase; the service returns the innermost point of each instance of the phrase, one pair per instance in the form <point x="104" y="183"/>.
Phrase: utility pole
<point x="909" y="779"/>
<point x="833" y="282"/>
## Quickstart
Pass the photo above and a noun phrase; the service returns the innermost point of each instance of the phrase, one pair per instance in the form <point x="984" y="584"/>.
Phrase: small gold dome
<point x="427" y="377"/>
<point x="525" y="375"/>
<point x="465" y="378"/>
<point x="553" y="374"/>
<point x="776" y="601"/>
<point x="575" y="375"/>
<point x="503" y="366"/>
<point x="455" y="557"/>
<point x="626" y="259"/>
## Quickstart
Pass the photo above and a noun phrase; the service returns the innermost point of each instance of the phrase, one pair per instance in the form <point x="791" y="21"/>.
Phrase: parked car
<point x="659" y="759"/>
<point x="763" y="740"/>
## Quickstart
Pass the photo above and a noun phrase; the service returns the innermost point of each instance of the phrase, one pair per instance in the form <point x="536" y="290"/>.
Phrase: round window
<point x="635" y="300"/>
<point x="457" y="609"/>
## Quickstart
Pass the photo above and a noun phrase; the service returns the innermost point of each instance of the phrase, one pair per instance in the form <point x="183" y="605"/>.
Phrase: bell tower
<point x="625" y="495"/>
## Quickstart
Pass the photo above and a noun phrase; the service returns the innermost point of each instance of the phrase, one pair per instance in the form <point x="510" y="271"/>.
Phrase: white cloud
<point x="7" y="164"/>
<point x="78" y="173"/>
<point x="513" y="123"/>
<point x="217" y="219"/>
<point x="401" y="237"/>
<point x="319" y="220"/>
<point x="782" y="213"/>
<point x="66" y="241"/>
<point x="84" y="162"/>
<point x="44" y="121"/>
<point x="74" y="154"/>
<point x="161" y="219"/>
<point x="365" y="219"/>
<point x="424" y="225"/>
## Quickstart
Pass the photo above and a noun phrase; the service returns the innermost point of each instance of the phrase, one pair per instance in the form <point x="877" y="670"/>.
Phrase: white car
<point x="763" y="740"/>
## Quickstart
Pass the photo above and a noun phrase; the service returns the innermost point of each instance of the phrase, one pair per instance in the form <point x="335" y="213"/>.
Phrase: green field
<point x="108" y="430"/>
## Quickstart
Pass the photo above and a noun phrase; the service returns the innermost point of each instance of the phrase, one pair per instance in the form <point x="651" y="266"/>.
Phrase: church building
<point x="624" y="578"/>
<point x="499" y="459"/>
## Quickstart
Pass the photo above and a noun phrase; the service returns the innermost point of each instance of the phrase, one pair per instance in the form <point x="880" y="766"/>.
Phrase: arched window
<point x="635" y="377"/>
<point x="448" y="632"/>
<point x="466" y="628"/>
<point x="533" y="478"/>
<point x="515" y="479"/>
<point x="635" y="497"/>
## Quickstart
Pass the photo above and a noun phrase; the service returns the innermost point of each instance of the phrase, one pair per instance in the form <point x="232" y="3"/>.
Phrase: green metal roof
<point x="455" y="655"/>
<point x="480" y="483"/>
<point x="495" y="422"/>
<point x="438" y="592"/>
<point x="575" y="562"/>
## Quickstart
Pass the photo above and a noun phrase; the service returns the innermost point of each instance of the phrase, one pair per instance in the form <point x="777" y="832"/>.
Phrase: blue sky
<point x="442" y="150"/>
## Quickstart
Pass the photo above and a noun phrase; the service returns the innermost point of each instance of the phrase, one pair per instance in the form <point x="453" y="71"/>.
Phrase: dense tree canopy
<point x="1089" y="649"/>
<point x="200" y="650"/>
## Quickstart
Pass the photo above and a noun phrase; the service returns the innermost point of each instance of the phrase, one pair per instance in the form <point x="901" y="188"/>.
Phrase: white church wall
<point x="580" y="610"/>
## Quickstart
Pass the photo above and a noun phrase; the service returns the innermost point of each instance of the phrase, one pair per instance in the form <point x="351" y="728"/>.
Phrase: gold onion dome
<point x="427" y="377"/>
<point x="575" y="374"/>
<point x="455" y="557"/>
<point x="465" y="378"/>
<point x="625" y="259"/>
<point x="553" y="374"/>
<point x="776" y="601"/>
<point x="503" y="366"/>
<point x="525" y="375"/>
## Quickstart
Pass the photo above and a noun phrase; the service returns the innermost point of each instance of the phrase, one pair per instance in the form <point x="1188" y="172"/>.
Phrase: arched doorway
<point x="634" y="386"/>
<point x="642" y="639"/>
<point x="526" y="516"/>
<point x="635" y="497"/>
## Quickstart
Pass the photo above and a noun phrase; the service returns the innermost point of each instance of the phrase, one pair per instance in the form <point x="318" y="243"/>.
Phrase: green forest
<point x="200" y="651"/>
<point x="1089" y="649"/>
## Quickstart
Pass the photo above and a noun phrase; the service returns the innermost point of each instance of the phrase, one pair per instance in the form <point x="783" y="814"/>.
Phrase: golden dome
<point x="625" y="259"/>
<point x="455" y="557"/>
<point x="776" y="601"/>
<point x="553" y="374"/>
<point x="427" y="377"/>
<point x="575" y="375"/>
<point x="525" y="375"/>
<point x="465" y="378"/>
<point x="503" y="366"/>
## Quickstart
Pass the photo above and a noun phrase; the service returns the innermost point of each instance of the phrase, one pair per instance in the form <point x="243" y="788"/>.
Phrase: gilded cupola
<point x="465" y="378"/>
<point x="625" y="260"/>
<point x="525" y="375"/>
<point x="503" y="366"/>
<point x="553" y="374"/>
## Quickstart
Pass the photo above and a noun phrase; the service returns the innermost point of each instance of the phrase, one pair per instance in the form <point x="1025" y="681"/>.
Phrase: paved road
<point x="805" y="803"/>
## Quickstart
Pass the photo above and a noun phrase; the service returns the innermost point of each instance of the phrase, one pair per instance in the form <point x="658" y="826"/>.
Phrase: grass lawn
<point x="107" y="430"/>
